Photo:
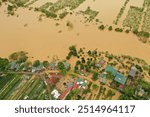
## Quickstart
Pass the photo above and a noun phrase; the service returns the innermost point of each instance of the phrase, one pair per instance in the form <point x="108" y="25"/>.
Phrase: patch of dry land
<point x="45" y="28"/>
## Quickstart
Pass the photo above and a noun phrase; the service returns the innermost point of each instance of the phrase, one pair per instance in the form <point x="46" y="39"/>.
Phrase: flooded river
<point x="41" y="39"/>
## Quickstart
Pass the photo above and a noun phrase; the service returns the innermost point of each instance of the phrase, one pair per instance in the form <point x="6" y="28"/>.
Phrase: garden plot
<point x="21" y="88"/>
<point x="61" y="4"/>
<point x="19" y="2"/>
<point x="121" y="11"/>
<point x="146" y="22"/>
<point x="59" y="8"/>
<point x="45" y="10"/>
<point x="38" y="3"/>
<point x="10" y="86"/>
<point x="33" y="92"/>
<point x="133" y="18"/>
<point x="89" y="14"/>
<point x="30" y="3"/>
<point x="5" y="80"/>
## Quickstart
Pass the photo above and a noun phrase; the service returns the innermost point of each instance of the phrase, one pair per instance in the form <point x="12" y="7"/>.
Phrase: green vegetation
<point x="48" y="13"/>
<point x="62" y="15"/>
<point x="102" y="27"/>
<point x="44" y="9"/>
<point x="19" y="56"/>
<point x="45" y="6"/>
<point x="10" y="9"/>
<point x="94" y="86"/>
<point x="90" y="13"/>
<point x="73" y="52"/>
<point x="121" y="11"/>
<point x="69" y="24"/>
<point x="36" y="63"/>
<point x="95" y="76"/>
<point x="22" y="79"/>
<point x="73" y="95"/>
<point x="110" y="28"/>
<point x="19" y="3"/>
<point x="110" y="94"/>
<point x="4" y="63"/>
<point x="46" y="64"/>
<point x="61" y="67"/>
<point x="61" y="4"/>
<point x="146" y="23"/>
<point x="30" y="3"/>
<point x="6" y="90"/>
<point x="118" y="30"/>
<point x="133" y="18"/>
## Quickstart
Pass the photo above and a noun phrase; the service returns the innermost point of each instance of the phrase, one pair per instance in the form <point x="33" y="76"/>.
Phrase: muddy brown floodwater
<point x="41" y="39"/>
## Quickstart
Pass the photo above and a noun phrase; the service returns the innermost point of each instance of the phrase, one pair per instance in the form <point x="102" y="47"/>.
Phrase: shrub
<point x="102" y="27"/>
<point x="95" y="76"/>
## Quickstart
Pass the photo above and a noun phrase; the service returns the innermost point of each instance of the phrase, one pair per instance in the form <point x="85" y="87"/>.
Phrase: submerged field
<point x="31" y="28"/>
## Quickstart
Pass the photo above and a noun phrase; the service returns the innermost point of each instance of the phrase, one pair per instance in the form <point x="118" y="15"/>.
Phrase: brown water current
<point x="41" y="39"/>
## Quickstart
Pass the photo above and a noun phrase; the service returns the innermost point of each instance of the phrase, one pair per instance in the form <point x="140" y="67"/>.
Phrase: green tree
<point x="95" y="76"/>
<point x="61" y="67"/>
<point x="73" y="50"/>
<point x="127" y="31"/>
<point x="110" y="28"/>
<point x="10" y="8"/>
<point x="19" y="56"/>
<point x="46" y="64"/>
<point x="83" y="60"/>
<point x="78" y="62"/>
<point x="36" y="63"/>
<point x="89" y="52"/>
<point x="129" y="91"/>
<point x="94" y="86"/>
<point x="86" y="91"/>
<point x="81" y="66"/>
<point x="4" y="63"/>
<point x="102" y="27"/>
